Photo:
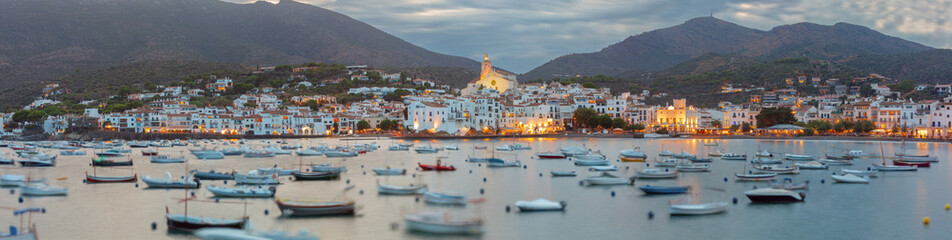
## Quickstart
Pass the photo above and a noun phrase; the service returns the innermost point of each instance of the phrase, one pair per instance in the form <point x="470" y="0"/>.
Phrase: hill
<point x="46" y="39"/>
<point x="659" y="49"/>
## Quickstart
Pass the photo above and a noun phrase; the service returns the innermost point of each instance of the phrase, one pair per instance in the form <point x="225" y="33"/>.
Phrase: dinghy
<point x="849" y="178"/>
<point x="314" y="208"/>
<point x="400" y="190"/>
<point x="698" y="209"/>
<point x="540" y="204"/>
<point x="444" y="198"/>
<point x="442" y="223"/>
<point x="655" y="173"/>
<point x="242" y="192"/>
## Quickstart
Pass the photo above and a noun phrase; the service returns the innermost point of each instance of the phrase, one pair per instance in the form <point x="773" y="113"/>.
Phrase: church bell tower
<point x="487" y="67"/>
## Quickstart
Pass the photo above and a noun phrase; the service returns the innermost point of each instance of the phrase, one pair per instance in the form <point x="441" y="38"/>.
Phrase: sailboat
<point x="313" y="175"/>
<point x="891" y="167"/>
<point x="186" y="223"/>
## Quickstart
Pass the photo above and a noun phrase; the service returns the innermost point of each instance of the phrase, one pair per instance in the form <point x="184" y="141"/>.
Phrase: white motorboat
<point x="281" y="171"/>
<point x="811" y="165"/>
<point x="867" y="173"/>
<point x="608" y="179"/>
<point x="764" y="153"/>
<point x="666" y="153"/>
<point x="849" y="178"/>
<point x="694" y="168"/>
<point x="41" y="189"/>
<point x="797" y="157"/>
<point x="232" y="151"/>
<point x="258" y="154"/>
<point x="444" y="198"/>
<point x="778" y="169"/>
<point x="400" y="190"/>
<point x="18" y="180"/>
<point x="655" y="173"/>
<point x="242" y="192"/>
<point x="442" y="223"/>
<point x="603" y="168"/>
<point x="540" y="204"/>
<point x="243" y="234"/>
<point x="168" y="182"/>
<point x="761" y="160"/>
<point x="589" y="156"/>
<point x="716" y="153"/>
<point x="504" y="148"/>
<point x="426" y="149"/>
<point x="398" y="147"/>
<point x="453" y="147"/>
<point x="632" y="153"/>
<point x="389" y="171"/>
<point x="683" y="155"/>
<point x="574" y="150"/>
<point x="166" y="159"/>
<point x="774" y="195"/>
<point x="518" y="146"/>
<point x="698" y="209"/>
<point x="327" y="168"/>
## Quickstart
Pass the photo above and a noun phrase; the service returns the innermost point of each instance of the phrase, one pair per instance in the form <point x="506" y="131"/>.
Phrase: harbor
<point x="899" y="199"/>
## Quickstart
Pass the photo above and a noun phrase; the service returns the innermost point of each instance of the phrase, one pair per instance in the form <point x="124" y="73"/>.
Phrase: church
<point x="490" y="80"/>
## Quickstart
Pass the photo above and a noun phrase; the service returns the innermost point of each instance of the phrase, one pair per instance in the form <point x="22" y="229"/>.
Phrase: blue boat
<point x="648" y="189"/>
<point x="212" y="175"/>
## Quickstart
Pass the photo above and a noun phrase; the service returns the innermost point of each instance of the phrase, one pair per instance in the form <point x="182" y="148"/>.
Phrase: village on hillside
<point x="495" y="103"/>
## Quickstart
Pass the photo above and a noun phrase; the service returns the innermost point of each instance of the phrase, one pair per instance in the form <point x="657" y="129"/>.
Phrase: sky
<point x="523" y="34"/>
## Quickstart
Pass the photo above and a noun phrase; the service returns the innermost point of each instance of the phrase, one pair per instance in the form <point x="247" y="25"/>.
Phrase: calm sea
<point x="890" y="207"/>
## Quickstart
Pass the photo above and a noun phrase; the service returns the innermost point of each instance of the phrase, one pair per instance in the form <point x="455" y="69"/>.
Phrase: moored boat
<point x="166" y="159"/>
<point x="110" y="163"/>
<point x="882" y="167"/>
<point x="212" y="175"/>
<point x="389" y="171"/>
<point x="655" y="173"/>
<point x="811" y="165"/>
<point x="916" y="164"/>
<point x="550" y="155"/>
<point x="41" y="189"/>
<point x="698" y="209"/>
<point x="798" y="157"/>
<point x="849" y="178"/>
<point x="869" y="172"/>
<point x="608" y="179"/>
<point x="436" y="167"/>
<point x="648" y="189"/>
<point x="581" y="162"/>
<point x="298" y="207"/>
<point x="754" y="177"/>
<point x="694" y="167"/>
<point x="185" y="223"/>
<point x="110" y="179"/>
<point x="562" y="173"/>
<point x="444" y="198"/>
<point x="242" y="192"/>
<point x="734" y="156"/>
<point x="400" y="190"/>
<point x="442" y="223"/>
<point x="305" y="176"/>
<point x="773" y="195"/>
<point x="168" y="182"/>
<point x="540" y="204"/>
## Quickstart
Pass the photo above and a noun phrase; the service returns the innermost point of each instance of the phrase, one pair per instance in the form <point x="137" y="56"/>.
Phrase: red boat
<point x="904" y="163"/>
<point x="149" y="153"/>
<point x="548" y="155"/>
<point x="438" y="167"/>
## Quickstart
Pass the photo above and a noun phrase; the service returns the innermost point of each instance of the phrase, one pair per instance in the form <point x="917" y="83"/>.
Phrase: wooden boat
<point x="919" y="159"/>
<point x="591" y="162"/>
<point x="562" y="174"/>
<point x="778" y="169"/>
<point x="917" y="164"/>
<point x="258" y="154"/>
<point x="444" y="198"/>
<point x="654" y="173"/>
<point x="37" y="163"/>
<point x="761" y="160"/>
<point x="911" y="155"/>
<point x="168" y="182"/>
<point x="389" y="171"/>
<point x="811" y="165"/>
<point x="881" y="167"/>
<point x="179" y="222"/>
<point x="716" y="153"/>
<point x="648" y="189"/>
<point x="242" y="192"/>
<point x="754" y="177"/>
<point x="837" y="162"/>
<point x="797" y="157"/>
<point x="734" y="156"/>
<point x="281" y="171"/>
<point x="73" y="152"/>
<point x="608" y="179"/>
<point x="438" y="167"/>
<point x="166" y="159"/>
<point x="442" y="223"/>
<point x="314" y="208"/>
<point x="41" y="189"/>
<point x="149" y="152"/>
<point x="110" y="179"/>
<point x="212" y="175"/>
<point x="327" y="168"/>
<point x="844" y="157"/>
<point x="868" y="173"/>
<point x="400" y="190"/>
<point x="668" y="163"/>
<point x="849" y="178"/>
<point x="9" y="180"/>
<point x="500" y="163"/>
<point x="550" y="155"/>
<point x="603" y="168"/>
<point x="310" y="176"/>
<point x="694" y="168"/>
<point x="110" y="163"/>
<point x="773" y="195"/>
<point x="698" y="209"/>
<point x="540" y="204"/>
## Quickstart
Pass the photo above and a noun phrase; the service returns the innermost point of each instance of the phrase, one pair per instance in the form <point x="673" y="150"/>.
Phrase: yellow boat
<point x="627" y="159"/>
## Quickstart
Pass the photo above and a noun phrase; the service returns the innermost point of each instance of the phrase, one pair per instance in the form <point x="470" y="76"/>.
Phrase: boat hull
<point x="312" y="176"/>
<point x="190" y="224"/>
<point x="302" y="211"/>
<point x="698" y="209"/>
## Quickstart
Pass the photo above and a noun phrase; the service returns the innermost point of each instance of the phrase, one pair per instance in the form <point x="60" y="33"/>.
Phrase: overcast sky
<point x="523" y="34"/>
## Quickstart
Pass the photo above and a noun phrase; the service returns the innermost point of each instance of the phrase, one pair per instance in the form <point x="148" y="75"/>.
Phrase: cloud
<point x="520" y="35"/>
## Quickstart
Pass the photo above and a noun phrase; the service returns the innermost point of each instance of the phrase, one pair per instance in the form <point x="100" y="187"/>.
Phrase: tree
<point x="589" y="85"/>
<point x="820" y="126"/>
<point x="734" y="128"/>
<point x="662" y="131"/>
<point x="581" y="116"/>
<point x="619" y="123"/>
<point x="312" y="104"/>
<point x="242" y="88"/>
<point x="716" y="123"/>
<point x="773" y="116"/>
<point x="605" y="121"/>
<point x="746" y="127"/>
<point x="385" y="125"/>
<point x="638" y="126"/>
<point x="149" y="86"/>
<point x="362" y="125"/>
<point x="863" y="126"/>
<point x="903" y="87"/>
<point x="867" y="90"/>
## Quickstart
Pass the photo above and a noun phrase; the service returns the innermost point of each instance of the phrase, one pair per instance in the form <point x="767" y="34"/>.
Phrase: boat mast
<point x="882" y="153"/>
